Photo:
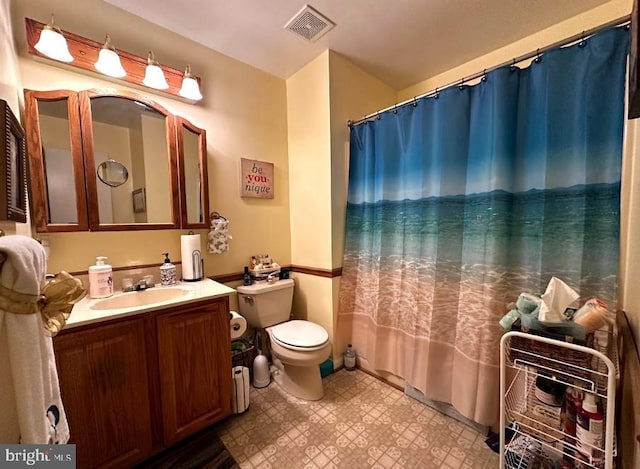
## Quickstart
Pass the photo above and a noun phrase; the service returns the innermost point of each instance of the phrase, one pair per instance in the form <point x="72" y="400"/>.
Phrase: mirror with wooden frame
<point x="117" y="149"/>
<point x="57" y="194"/>
<point x="192" y="159"/>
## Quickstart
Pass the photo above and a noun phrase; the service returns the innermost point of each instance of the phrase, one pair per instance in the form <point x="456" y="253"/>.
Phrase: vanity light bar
<point x="85" y="54"/>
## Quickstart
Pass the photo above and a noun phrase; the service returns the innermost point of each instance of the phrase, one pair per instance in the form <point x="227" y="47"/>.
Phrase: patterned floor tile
<point x="360" y="423"/>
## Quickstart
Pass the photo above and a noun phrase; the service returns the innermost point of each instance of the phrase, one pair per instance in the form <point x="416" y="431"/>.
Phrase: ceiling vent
<point x="309" y="24"/>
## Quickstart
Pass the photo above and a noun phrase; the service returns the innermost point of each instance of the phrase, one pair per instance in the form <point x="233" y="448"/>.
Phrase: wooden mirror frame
<point x="38" y="199"/>
<point x="14" y="169"/>
<point x="86" y="121"/>
<point x="82" y="151"/>
<point x="204" y="186"/>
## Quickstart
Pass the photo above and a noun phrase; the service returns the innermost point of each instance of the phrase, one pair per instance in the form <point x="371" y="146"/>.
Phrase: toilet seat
<point x="299" y="335"/>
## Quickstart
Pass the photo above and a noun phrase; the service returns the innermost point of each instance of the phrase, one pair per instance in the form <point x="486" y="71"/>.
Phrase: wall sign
<point x="256" y="179"/>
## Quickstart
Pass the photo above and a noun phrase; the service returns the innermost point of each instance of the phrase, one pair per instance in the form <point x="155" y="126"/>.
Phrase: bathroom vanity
<point x="137" y="379"/>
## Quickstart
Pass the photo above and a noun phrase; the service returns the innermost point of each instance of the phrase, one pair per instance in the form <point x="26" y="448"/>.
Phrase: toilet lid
<point x="300" y="333"/>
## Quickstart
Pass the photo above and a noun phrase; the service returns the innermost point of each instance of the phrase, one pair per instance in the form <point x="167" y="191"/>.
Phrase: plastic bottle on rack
<point x="572" y="400"/>
<point x="590" y="428"/>
<point x="350" y="358"/>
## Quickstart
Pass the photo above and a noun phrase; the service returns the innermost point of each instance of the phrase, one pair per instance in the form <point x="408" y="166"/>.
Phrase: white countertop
<point x="85" y="312"/>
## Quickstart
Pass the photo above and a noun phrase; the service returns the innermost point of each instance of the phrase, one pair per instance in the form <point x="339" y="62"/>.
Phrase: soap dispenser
<point x="167" y="271"/>
<point x="100" y="279"/>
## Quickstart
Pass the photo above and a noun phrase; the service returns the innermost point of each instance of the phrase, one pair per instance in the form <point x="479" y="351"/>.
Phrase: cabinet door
<point x="103" y="381"/>
<point x="194" y="355"/>
<point x="56" y="167"/>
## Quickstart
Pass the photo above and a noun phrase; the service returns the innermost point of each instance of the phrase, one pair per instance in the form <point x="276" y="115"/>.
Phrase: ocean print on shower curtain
<point x="459" y="203"/>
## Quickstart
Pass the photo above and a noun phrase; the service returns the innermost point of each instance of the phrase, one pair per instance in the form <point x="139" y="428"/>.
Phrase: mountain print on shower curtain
<point x="458" y="204"/>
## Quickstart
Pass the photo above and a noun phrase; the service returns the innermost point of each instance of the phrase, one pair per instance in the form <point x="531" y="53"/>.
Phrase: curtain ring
<point x="582" y="41"/>
<point x="349" y="123"/>
<point x="436" y="94"/>
<point x="415" y="102"/>
<point x="461" y="85"/>
<point x="513" y="67"/>
<point x="395" y="108"/>
<point x="538" y="57"/>
<point x="484" y="75"/>
<point x="377" y="115"/>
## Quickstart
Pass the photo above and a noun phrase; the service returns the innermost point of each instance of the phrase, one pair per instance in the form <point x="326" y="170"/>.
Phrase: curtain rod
<point x="576" y="37"/>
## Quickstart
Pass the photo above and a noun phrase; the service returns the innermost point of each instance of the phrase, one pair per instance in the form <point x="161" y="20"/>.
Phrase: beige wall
<point x="320" y="99"/>
<point x="309" y="137"/>
<point x="113" y="142"/>
<point x="10" y="90"/>
<point x="630" y="228"/>
<point x="595" y="17"/>
<point x="157" y="183"/>
<point x="243" y="112"/>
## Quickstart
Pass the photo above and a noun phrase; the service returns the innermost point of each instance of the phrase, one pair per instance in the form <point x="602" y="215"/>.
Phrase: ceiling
<point x="401" y="42"/>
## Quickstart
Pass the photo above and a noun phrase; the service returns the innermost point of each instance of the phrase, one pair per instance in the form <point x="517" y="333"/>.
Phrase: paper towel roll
<point x="191" y="257"/>
<point x="240" y="401"/>
<point x="238" y="325"/>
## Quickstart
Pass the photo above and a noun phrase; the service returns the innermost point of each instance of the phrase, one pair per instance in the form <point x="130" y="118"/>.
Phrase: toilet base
<point x="303" y="382"/>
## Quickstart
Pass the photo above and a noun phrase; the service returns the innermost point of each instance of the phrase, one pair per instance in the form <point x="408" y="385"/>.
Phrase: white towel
<point x="32" y="411"/>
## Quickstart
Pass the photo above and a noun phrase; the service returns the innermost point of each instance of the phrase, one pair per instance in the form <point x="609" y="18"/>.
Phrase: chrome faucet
<point x="140" y="285"/>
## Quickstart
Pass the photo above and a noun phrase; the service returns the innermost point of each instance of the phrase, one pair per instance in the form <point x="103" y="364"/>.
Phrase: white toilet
<point x="298" y="347"/>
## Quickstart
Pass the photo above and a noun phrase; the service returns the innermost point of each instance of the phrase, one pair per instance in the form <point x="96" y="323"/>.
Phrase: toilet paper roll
<point x="191" y="257"/>
<point x="240" y="401"/>
<point x="238" y="325"/>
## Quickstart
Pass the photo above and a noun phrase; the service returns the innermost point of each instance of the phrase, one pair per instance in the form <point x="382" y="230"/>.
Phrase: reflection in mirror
<point x="112" y="173"/>
<point x="193" y="187"/>
<point x="136" y="134"/>
<point x="58" y="162"/>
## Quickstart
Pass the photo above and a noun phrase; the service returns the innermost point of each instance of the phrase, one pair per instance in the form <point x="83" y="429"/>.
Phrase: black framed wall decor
<point x="13" y="170"/>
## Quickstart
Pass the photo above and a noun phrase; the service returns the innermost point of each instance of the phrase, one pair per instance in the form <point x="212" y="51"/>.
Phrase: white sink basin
<point x="141" y="298"/>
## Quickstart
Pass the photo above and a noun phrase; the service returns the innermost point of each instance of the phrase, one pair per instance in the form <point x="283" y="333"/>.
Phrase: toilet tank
<point x="266" y="304"/>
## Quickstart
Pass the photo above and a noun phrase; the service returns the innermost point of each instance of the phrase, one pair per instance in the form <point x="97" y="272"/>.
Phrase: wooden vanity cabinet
<point x="194" y="358"/>
<point x="133" y="387"/>
<point x="103" y="382"/>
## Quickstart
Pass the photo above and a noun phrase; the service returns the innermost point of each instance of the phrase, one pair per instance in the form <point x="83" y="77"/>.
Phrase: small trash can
<point x="243" y="353"/>
<point x="241" y="382"/>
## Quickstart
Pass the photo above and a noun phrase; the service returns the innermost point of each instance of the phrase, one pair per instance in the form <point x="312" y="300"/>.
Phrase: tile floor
<point x="360" y="423"/>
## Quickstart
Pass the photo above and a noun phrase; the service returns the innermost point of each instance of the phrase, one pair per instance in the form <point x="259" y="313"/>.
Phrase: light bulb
<point x="190" y="88"/>
<point x="53" y="44"/>
<point x="154" y="76"/>
<point x="109" y="61"/>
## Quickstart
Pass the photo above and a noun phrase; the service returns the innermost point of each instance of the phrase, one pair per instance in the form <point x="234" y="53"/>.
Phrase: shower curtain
<point x="460" y="202"/>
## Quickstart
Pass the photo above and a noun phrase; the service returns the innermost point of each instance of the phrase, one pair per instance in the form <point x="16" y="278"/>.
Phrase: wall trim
<point x="236" y="276"/>
<point x="327" y="273"/>
<point x="126" y="267"/>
